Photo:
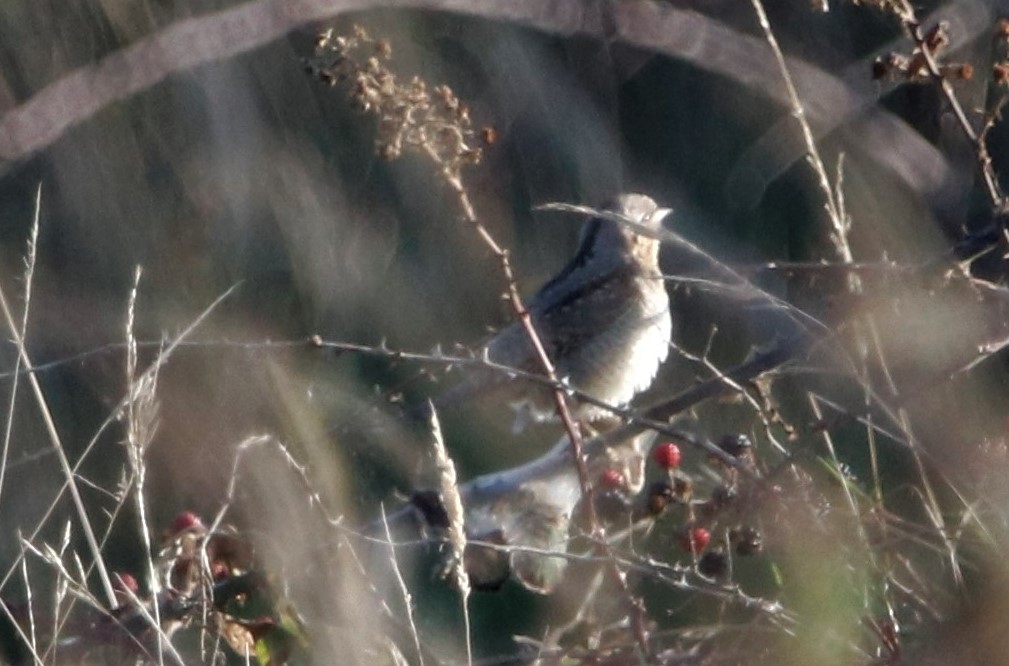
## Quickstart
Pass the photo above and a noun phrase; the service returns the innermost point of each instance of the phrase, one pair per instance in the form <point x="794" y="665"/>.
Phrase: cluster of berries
<point x="677" y="489"/>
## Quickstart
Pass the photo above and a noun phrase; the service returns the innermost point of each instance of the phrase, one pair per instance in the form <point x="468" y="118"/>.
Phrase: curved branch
<point x="703" y="41"/>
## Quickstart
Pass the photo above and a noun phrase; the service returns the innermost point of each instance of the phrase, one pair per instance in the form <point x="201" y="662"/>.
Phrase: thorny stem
<point x="912" y="26"/>
<point x="574" y="433"/>
<point x="908" y="18"/>
<point x="833" y="209"/>
<point x="598" y="534"/>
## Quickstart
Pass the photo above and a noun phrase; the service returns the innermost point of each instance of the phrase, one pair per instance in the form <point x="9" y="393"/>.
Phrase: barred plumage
<point x="604" y="320"/>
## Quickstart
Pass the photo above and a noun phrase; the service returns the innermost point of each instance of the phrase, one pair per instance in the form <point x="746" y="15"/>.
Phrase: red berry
<point x="125" y="581"/>
<point x="695" y="540"/>
<point x="125" y="587"/>
<point x="186" y="520"/>
<point x="219" y="571"/>
<point x="667" y="456"/>
<point x="611" y="478"/>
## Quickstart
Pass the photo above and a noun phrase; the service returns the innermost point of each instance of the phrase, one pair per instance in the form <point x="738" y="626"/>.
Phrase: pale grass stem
<point x="29" y="274"/>
<point x="449" y="486"/>
<point x="70" y="479"/>
<point x="404" y="590"/>
<point x="141" y="418"/>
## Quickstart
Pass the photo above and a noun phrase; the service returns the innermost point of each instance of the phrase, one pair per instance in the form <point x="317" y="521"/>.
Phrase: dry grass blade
<point x="141" y="423"/>
<point x="57" y="444"/>
<point x="116" y="414"/>
<point x="404" y="590"/>
<point x="448" y="485"/>
<point x="28" y="279"/>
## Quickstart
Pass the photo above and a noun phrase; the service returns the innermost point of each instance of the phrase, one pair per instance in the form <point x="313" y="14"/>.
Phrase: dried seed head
<point x="889" y="66"/>
<point x="1000" y="72"/>
<point x="962" y="72"/>
<point x="435" y="123"/>
<point x="1002" y="28"/>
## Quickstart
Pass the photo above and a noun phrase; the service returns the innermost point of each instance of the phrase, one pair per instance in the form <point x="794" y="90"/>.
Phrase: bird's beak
<point x="660" y="214"/>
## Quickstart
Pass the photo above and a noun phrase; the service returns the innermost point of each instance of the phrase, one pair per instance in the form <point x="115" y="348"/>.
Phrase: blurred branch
<point x="831" y="204"/>
<point x="674" y="575"/>
<point x="924" y="63"/>
<point x="636" y="420"/>
<point x="761" y="362"/>
<point x="848" y="101"/>
<point x="986" y="346"/>
<point x="927" y="45"/>
<point x="704" y="42"/>
<point x="486" y="489"/>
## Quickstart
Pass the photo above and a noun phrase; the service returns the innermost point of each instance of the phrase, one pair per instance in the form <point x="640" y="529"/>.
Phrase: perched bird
<point x="603" y="320"/>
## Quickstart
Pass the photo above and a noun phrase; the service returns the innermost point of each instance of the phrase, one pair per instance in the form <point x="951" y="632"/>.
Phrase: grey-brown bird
<point x="603" y="320"/>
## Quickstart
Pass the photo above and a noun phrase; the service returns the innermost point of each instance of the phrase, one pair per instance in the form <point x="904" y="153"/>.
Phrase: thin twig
<point x="909" y="20"/>
<point x="800" y="115"/>
<point x="522" y="314"/>
<point x="32" y="639"/>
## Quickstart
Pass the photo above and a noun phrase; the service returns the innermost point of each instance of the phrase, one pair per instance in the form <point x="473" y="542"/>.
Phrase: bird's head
<point x="629" y="226"/>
